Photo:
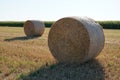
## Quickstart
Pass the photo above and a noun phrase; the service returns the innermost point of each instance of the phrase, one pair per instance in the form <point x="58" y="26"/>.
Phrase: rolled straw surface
<point x="34" y="28"/>
<point x="75" y="40"/>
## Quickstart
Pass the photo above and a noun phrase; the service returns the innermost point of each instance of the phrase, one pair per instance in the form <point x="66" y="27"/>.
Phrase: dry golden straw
<point x="75" y="40"/>
<point x="34" y="28"/>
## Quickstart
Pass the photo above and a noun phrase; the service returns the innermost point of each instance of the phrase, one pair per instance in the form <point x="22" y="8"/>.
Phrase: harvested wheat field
<point x="23" y="58"/>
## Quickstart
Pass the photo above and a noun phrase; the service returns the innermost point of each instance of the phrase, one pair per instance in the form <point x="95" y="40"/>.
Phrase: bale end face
<point x="69" y="40"/>
<point x="34" y="28"/>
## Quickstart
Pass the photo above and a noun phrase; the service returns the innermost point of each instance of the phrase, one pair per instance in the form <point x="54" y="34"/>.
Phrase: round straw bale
<point x="34" y="28"/>
<point x="75" y="40"/>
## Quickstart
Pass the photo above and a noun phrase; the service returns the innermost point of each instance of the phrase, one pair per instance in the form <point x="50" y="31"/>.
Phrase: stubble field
<point x="23" y="58"/>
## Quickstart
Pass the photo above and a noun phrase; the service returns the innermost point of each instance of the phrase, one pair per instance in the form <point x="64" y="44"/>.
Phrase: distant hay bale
<point x="75" y="40"/>
<point x="34" y="28"/>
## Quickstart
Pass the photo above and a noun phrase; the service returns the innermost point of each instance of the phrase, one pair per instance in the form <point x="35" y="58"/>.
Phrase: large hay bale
<point x="34" y="28"/>
<point x="75" y="40"/>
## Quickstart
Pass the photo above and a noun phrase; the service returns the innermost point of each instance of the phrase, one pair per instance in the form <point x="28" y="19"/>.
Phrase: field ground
<point x="24" y="58"/>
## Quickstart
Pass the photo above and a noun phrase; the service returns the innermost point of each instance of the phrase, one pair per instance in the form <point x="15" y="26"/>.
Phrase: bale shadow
<point x="91" y="70"/>
<point x="21" y="38"/>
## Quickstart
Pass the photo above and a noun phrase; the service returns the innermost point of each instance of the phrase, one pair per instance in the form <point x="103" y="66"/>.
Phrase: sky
<point x="51" y="10"/>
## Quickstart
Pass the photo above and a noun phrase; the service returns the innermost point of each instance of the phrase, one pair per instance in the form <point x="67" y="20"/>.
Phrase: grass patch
<point x="104" y="24"/>
<point x="21" y="23"/>
<point x="110" y="24"/>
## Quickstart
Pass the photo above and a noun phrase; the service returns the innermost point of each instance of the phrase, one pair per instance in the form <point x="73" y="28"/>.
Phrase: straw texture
<point x="75" y="40"/>
<point x="34" y="28"/>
